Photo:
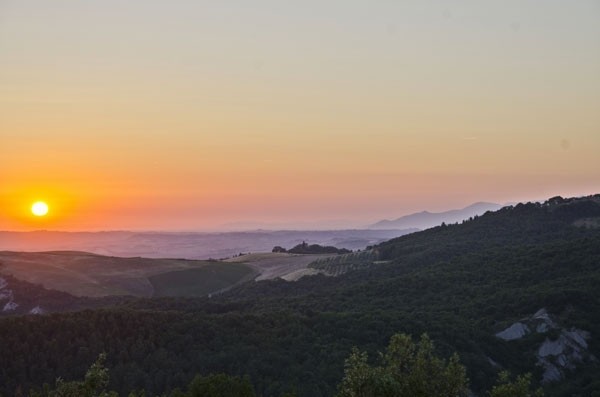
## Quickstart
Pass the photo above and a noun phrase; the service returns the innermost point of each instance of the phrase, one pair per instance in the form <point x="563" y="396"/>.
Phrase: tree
<point x="93" y="385"/>
<point x="521" y="387"/>
<point x="406" y="369"/>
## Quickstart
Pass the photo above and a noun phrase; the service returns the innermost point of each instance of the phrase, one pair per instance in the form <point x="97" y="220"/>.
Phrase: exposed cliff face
<point x="556" y="354"/>
<point x="15" y="301"/>
<point x="37" y="310"/>
<point x="566" y="352"/>
<point x="7" y="297"/>
<point x="515" y="331"/>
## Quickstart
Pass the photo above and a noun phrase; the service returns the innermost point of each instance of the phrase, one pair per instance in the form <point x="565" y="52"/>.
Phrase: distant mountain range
<point x="425" y="220"/>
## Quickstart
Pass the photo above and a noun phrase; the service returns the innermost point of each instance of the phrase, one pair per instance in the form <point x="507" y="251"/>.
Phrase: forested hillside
<point x="462" y="284"/>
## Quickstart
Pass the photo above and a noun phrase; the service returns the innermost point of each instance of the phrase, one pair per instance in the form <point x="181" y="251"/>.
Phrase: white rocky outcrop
<point x="557" y="355"/>
<point x="541" y="322"/>
<point x="563" y="353"/>
<point x="10" y="306"/>
<point x="543" y="319"/>
<point x="7" y="295"/>
<point x="36" y="310"/>
<point x="515" y="331"/>
<point x="551" y="372"/>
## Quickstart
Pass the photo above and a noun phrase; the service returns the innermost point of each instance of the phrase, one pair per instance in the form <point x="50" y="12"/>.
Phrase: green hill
<point x="201" y="281"/>
<point x="91" y="275"/>
<point x="462" y="284"/>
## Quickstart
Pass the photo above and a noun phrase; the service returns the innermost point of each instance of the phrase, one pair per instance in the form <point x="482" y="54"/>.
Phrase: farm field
<point x="274" y="264"/>
<point x="201" y="281"/>
<point x="85" y="274"/>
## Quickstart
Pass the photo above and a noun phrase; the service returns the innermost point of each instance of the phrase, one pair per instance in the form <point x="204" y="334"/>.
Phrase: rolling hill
<point x="91" y="275"/>
<point x="18" y="297"/>
<point x="515" y="289"/>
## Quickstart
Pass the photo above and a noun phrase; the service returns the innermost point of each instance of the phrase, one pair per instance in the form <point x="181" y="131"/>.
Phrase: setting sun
<point x="39" y="208"/>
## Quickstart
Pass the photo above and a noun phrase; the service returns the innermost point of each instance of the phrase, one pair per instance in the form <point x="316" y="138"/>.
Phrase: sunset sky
<point x="188" y="115"/>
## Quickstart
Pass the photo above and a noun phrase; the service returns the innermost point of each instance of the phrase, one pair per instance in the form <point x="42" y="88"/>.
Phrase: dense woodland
<point x="406" y="368"/>
<point x="459" y="283"/>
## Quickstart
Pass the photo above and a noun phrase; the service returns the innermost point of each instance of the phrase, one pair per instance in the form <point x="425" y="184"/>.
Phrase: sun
<point x="39" y="208"/>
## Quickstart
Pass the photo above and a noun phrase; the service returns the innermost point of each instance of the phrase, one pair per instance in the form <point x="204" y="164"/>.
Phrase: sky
<point x="191" y="115"/>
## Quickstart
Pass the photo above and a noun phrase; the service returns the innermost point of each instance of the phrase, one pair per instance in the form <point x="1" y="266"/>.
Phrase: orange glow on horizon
<point x="372" y="113"/>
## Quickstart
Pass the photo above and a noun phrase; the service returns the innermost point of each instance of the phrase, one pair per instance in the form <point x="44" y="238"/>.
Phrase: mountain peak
<point x="426" y="219"/>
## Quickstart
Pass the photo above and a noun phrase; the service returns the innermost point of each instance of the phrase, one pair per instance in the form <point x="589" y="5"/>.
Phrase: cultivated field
<point x="274" y="265"/>
<point x="201" y="281"/>
<point x="85" y="274"/>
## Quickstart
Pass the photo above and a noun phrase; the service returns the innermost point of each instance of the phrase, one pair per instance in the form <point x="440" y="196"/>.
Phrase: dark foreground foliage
<point x="407" y="369"/>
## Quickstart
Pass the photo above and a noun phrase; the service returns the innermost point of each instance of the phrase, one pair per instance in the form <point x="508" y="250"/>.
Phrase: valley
<point x="515" y="289"/>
